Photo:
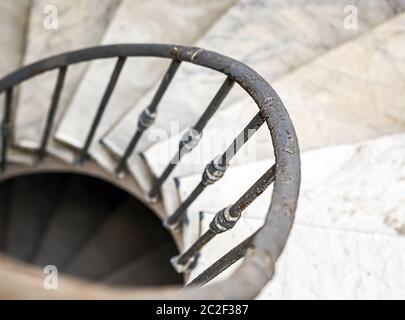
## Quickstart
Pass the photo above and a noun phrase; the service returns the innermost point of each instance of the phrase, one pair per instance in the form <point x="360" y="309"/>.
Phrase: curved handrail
<point x="264" y="250"/>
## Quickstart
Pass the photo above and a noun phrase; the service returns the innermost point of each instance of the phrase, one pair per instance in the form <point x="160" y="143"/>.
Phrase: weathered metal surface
<point x="148" y="116"/>
<point x="215" y="170"/>
<point x="6" y="129"/>
<point x="193" y="135"/>
<point x="223" y="263"/>
<point x="226" y="219"/>
<point x="269" y="242"/>
<point x="52" y="111"/>
<point x="103" y="105"/>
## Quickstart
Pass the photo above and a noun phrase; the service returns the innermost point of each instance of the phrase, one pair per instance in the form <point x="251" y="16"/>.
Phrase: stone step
<point x="272" y="46"/>
<point x="75" y="220"/>
<point x="13" y="21"/>
<point x="136" y="21"/>
<point x="127" y="234"/>
<point x="54" y="28"/>
<point x="323" y="263"/>
<point x="329" y="102"/>
<point x="359" y="191"/>
<point x="31" y="210"/>
<point x="153" y="268"/>
<point x="328" y="263"/>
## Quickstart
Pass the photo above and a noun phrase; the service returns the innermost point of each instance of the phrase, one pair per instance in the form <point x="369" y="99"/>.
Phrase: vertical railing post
<point x="148" y="116"/>
<point x="6" y="128"/>
<point x="52" y="112"/>
<point x="215" y="170"/>
<point x="223" y="263"/>
<point x="100" y="111"/>
<point x="224" y="220"/>
<point x="191" y="138"/>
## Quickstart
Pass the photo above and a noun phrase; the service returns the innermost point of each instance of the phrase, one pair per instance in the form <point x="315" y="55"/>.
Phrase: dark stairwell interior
<point x="85" y="227"/>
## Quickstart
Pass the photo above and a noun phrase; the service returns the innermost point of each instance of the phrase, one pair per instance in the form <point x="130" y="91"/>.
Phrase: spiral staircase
<point x="171" y="171"/>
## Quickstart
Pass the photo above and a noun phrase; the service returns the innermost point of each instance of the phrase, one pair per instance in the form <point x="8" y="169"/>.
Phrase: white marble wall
<point x="136" y="21"/>
<point x="348" y="238"/>
<point x="274" y="37"/>
<point x="80" y="24"/>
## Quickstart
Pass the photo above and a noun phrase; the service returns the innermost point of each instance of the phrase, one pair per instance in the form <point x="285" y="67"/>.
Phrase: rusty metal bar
<point x="167" y="79"/>
<point x="223" y="263"/>
<point x="242" y="138"/>
<point x="270" y="241"/>
<point x="216" y="102"/>
<point x="173" y="221"/>
<point x="148" y="116"/>
<point x="52" y="112"/>
<point x="6" y="127"/>
<point x="225" y="220"/>
<point x="103" y="104"/>
<point x="182" y="262"/>
<point x="215" y="170"/>
<point x="191" y="138"/>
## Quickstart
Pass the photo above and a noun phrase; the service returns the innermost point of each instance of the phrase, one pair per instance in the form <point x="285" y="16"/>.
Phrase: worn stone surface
<point x="324" y="263"/>
<point x="80" y="24"/>
<point x="340" y="182"/>
<point x="330" y="263"/>
<point x="272" y="46"/>
<point x="185" y="23"/>
<point x="351" y="207"/>
<point x="13" y="20"/>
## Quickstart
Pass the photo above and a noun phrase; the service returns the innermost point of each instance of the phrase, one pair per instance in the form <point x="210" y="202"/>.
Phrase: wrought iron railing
<point x="263" y="248"/>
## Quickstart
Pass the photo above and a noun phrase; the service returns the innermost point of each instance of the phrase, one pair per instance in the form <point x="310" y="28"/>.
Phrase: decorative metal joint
<point x="6" y="129"/>
<point x="146" y="119"/>
<point x="189" y="140"/>
<point x="181" y="268"/>
<point x="172" y="226"/>
<point x="151" y="198"/>
<point x="214" y="171"/>
<point x="223" y="221"/>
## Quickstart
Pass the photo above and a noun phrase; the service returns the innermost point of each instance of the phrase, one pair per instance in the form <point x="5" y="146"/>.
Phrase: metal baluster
<point x="192" y="136"/>
<point x="52" y="112"/>
<point x="103" y="104"/>
<point x="223" y="263"/>
<point x="148" y="116"/>
<point x="224" y="220"/>
<point x="215" y="170"/>
<point x="6" y="128"/>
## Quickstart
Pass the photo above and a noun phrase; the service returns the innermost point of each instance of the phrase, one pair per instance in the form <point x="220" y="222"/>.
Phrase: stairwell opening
<point x="85" y="227"/>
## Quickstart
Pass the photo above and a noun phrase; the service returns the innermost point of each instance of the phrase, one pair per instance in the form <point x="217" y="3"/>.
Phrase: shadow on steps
<point x="85" y="227"/>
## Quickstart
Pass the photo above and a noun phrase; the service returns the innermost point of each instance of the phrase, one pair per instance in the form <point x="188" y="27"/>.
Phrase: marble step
<point x="329" y="102"/>
<point x="31" y="210"/>
<point x="262" y="34"/>
<point x="73" y="223"/>
<point x="153" y="268"/>
<point x="359" y="191"/>
<point x="126" y="234"/>
<point x="324" y="263"/>
<point x="136" y="21"/>
<point x="76" y="25"/>
<point x="13" y="21"/>
<point x="328" y="263"/>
